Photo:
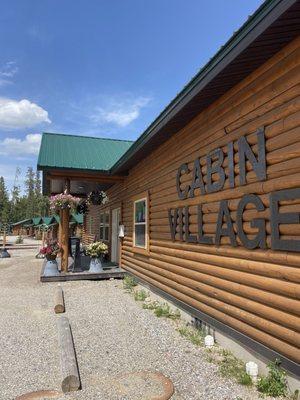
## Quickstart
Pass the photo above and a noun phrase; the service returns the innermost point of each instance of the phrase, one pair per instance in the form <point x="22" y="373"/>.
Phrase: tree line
<point x="17" y="204"/>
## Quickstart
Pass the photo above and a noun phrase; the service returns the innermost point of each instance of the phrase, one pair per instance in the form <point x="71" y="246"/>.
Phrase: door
<point x="115" y="241"/>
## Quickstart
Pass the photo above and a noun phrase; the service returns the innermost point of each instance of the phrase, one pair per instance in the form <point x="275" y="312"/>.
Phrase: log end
<point x="59" y="308"/>
<point x="70" y="383"/>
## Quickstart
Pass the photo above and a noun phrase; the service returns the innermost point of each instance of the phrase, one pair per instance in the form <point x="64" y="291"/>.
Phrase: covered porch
<point x="83" y="168"/>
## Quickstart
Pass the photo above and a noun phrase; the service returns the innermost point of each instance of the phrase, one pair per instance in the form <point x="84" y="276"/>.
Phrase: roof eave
<point x="266" y="14"/>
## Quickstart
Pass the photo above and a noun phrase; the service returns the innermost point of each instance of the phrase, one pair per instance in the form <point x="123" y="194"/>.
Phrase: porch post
<point x="64" y="220"/>
<point x="65" y="216"/>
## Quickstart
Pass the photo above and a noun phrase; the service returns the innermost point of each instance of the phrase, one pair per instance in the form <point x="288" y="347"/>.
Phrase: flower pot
<point x="51" y="268"/>
<point x="95" y="265"/>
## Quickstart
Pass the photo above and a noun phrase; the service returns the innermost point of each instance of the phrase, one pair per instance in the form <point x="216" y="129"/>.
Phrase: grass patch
<point x="129" y="282"/>
<point x="140" y="295"/>
<point x="150" y="306"/>
<point x="162" y="310"/>
<point x="232" y="367"/>
<point x="275" y="383"/>
<point x="196" y="336"/>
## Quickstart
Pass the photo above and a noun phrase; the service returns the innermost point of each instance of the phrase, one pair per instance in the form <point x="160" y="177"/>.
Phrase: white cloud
<point x="15" y="147"/>
<point x="21" y="114"/>
<point x="121" y="113"/>
<point x="7" y="72"/>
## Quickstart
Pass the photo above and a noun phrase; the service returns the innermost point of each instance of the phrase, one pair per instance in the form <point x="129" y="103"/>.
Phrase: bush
<point x="164" y="310"/>
<point x="140" y="295"/>
<point x="129" y="282"/>
<point x="275" y="383"/>
<point x="19" y="240"/>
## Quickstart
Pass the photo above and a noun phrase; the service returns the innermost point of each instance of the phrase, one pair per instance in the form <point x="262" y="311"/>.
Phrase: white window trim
<point x="104" y="225"/>
<point x="141" y="223"/>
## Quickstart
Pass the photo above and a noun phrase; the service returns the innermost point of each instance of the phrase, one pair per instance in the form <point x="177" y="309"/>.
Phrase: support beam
<point x="64" y="227"/>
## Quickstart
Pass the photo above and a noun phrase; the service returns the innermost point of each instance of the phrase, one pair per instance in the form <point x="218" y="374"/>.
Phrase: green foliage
<point x="19" y="240"/>
<point x="232" y="367"/>
<point x="96" y="249"/>
<point x="140" y="295"/>
<point x="196" y="336"/>
<point x="18" y="207"/>
<point x="162" y="310"/>
<point x="4" y="202"/>
<point x="150" y="306"/>
<point x="275" y="383"/>
<point x="129" y="282"/>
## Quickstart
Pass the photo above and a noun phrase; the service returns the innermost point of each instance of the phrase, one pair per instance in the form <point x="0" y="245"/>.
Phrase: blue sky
<point x="99" y="68"/>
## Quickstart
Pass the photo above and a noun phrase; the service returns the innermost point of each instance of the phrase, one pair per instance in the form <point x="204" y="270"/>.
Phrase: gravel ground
<point x="113" y="336"/>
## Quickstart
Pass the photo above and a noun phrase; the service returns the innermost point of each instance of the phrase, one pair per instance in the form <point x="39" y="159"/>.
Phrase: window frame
<point x="104" y="225"/>
<point x="137" y="199"/>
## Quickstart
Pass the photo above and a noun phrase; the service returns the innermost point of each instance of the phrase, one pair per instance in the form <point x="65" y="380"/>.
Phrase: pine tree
<point x="31" y="208"/>
<point x="4" y="202"/>
<point x="42" y="202"/>
<point x="17" y="210"/>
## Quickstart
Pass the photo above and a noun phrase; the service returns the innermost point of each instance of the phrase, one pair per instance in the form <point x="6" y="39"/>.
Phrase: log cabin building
<point x="209" y="194"/>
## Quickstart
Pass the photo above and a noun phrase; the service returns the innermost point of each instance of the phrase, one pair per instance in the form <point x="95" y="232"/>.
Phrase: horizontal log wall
<point x="254" y="291"/>
<point x="91" y="225"/>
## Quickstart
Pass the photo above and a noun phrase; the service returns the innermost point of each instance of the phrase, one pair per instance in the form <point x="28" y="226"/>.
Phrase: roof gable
<point x="36" y="220"/>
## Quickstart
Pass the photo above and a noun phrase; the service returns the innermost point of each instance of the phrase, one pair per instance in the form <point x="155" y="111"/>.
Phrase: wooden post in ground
<point x="43" y="238"/>
<point x="4" y="237"/>
<point x="64" y="221"/>
<point x="59" y="302"/>
<point x="69" y="368"/>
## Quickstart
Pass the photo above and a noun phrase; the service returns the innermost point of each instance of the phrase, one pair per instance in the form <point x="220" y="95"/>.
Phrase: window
<point x="141" y="223"/>
<point x="104" y="225"/>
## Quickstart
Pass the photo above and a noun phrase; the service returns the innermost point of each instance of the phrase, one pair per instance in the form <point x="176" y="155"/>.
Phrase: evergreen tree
<point x="42" y="202"/>
<point x="31" y="208"/>
<point x="17" y="210"/>
<point x="4" y="202"/>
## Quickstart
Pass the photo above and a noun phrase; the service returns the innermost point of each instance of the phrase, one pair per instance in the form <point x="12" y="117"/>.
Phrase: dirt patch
<point x="39" y="395"/>
<point x="136" y="385"/>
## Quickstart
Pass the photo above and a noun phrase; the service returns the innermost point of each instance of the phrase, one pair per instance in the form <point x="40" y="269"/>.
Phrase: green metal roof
<point x="115" y="156"/>
<point x="47" y="220"/>
<point x="36" y="220"/>
<point x="24" y="221"/>
<point x="77" y="218"/>
<point x="80" y="152"/>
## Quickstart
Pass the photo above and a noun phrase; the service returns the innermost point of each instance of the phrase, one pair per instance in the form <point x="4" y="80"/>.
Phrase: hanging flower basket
<point x="97" y="198"/>
<point x="63" y="201"/>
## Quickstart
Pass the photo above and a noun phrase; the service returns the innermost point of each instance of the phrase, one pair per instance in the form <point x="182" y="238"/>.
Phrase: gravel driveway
<point x="113" y="335"/>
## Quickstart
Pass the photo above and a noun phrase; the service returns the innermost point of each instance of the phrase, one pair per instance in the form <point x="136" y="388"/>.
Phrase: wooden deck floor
<point x="109" y="271"/>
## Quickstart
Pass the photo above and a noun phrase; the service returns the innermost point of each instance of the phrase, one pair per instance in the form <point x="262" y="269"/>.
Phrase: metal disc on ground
<point x="40" y="395"/>
<point x="145" y="385"/>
